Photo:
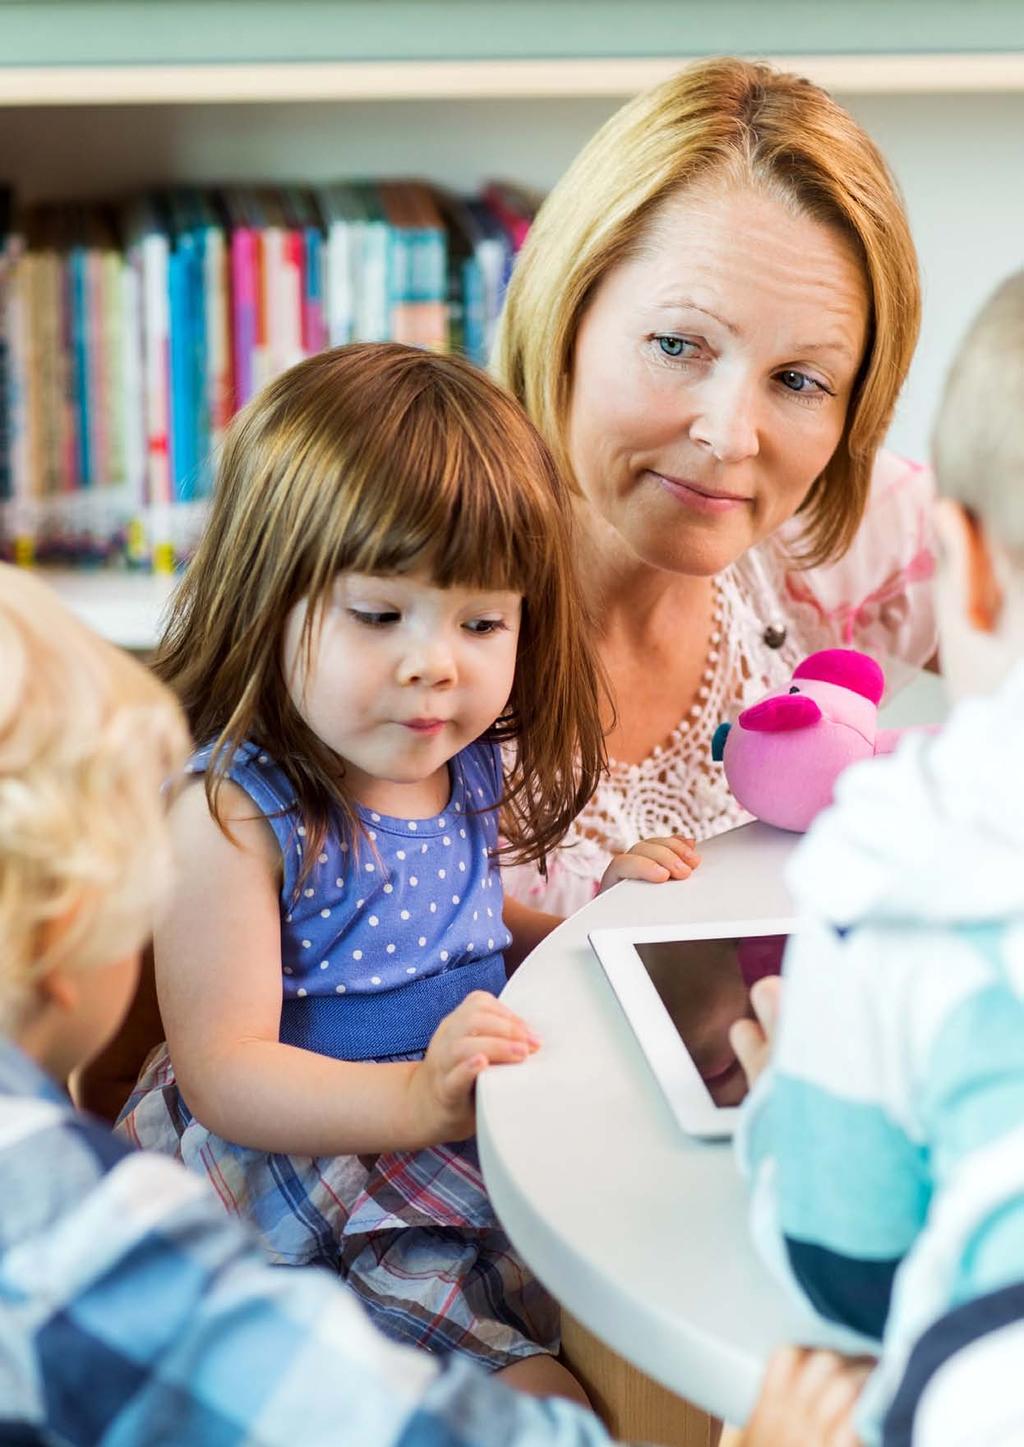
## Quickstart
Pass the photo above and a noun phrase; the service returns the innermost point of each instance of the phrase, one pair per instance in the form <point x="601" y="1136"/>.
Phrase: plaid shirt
<point x="132" y="1310"/>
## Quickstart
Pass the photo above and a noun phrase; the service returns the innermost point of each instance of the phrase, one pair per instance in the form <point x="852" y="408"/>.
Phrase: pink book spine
<point x="243" y="307"/>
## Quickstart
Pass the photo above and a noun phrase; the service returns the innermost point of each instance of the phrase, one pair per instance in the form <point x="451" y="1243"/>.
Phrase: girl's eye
<point x="482" y="626"/>
<point x="800" y="382"/>
<point x="374" y="620"/>
<point x="675" y="346"/>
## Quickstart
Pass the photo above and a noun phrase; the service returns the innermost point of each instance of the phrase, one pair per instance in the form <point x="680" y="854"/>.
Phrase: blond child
<point x="885" y="1136"/>
<point x="131" y="1308"/>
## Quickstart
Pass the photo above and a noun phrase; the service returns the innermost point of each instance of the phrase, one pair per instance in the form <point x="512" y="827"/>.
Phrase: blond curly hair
<point x="87" y="740"/>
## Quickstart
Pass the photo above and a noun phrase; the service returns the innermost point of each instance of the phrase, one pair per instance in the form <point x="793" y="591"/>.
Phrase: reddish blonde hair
<point x="371" y="458"/>
<point x="753" y="125"/>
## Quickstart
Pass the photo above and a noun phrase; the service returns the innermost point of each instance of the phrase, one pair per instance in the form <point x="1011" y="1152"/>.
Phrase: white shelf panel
<point x="186" y="84"/>
<point x="125" y="608"/>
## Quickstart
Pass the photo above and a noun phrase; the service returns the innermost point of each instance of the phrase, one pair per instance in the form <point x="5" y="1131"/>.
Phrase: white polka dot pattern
<point x="399" y="929"/>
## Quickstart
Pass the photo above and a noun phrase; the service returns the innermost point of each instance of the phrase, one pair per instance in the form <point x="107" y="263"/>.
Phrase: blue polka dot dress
<point x="381" y="938"/>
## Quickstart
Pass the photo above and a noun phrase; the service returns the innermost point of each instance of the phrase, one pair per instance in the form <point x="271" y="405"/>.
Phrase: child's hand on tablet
<point x="752" y="1039"/>
<point x="654" y="860"/>
<point x="808" y="1397"/>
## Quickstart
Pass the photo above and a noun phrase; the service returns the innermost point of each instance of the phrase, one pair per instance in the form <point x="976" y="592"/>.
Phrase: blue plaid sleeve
<point x="133" y="1310"/>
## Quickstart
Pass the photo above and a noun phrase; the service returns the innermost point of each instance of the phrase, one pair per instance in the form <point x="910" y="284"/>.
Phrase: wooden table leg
<point x="632" y="1406"/>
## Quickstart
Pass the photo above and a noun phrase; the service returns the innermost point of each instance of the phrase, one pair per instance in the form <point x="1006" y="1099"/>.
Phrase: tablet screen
<point x="705" y="986"/>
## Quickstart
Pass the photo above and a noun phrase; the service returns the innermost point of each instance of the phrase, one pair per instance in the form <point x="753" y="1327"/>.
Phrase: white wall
<point x="960" y="162"/>
<point x="959" y="159"/>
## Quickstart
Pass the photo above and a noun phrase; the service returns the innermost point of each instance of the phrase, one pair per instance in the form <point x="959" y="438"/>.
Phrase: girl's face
<point x="712" y="376"/>
<point x="402" y="675"/>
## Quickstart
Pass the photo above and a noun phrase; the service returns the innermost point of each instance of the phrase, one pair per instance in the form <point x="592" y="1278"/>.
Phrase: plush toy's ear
<point x="846" y="667"/>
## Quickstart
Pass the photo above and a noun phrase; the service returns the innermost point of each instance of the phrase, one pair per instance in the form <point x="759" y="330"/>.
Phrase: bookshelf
<point x="304" y="82"/>
<point x="101" y="96"/>
<point x="125" y="608"/>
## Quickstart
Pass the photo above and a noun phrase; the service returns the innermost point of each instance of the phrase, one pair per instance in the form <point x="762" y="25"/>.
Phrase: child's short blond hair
<point x="87" y="739"/>
<point x="978" y="445"/>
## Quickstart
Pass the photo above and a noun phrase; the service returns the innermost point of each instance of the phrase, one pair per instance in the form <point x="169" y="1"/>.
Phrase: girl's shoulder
<point x="263" y="781"/>
<point x="253" y="770"/>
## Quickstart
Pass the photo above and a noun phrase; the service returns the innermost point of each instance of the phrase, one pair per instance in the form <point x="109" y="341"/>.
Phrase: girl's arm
<point x="654" y="860"/>
<point x="218" y="966"/>
<point x="527" y="927"/>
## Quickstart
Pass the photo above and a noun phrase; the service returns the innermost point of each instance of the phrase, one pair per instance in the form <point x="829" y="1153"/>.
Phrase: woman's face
<point x="712" y="376"/>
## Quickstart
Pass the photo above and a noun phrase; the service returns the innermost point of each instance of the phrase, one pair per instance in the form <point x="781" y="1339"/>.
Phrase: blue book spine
<point x="182" y="405"/>
<point x="5" y="382"/>
<point x="474" y="312"/>
<point x="80" y="363"/>
<point x="314" y="270"/>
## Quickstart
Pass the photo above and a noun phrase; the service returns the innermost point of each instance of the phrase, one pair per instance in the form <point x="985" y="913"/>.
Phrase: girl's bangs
<point x="471" y="507"/>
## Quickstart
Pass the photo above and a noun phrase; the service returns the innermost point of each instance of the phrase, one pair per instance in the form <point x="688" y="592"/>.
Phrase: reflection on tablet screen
<point x="705" y="986"/>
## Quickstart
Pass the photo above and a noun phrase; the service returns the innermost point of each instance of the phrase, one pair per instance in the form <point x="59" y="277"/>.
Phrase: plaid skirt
<point x="413" y="1233"/>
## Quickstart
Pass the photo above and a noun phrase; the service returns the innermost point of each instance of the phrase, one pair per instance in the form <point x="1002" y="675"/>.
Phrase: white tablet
<point x="681" y="987"/>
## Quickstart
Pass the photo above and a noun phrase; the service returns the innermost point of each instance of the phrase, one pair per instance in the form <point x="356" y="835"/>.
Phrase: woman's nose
<point x="726" y="424"/>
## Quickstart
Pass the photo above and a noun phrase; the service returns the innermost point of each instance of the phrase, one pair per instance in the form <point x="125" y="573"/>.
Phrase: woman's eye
<point x="796" y="381"/>
<point x="674" y="346"/>
<point x="369" y="619"/>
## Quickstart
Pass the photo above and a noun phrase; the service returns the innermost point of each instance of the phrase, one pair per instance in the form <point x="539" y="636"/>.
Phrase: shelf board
<point x="185" y="84"/>
<point x="125" y="608"/>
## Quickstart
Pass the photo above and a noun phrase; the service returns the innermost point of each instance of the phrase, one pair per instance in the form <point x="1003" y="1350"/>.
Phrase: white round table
<point x="638" y="1230"/>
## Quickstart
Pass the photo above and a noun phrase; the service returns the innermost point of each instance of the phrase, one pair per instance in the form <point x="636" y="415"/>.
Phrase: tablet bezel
<point x="687" y="1095"/>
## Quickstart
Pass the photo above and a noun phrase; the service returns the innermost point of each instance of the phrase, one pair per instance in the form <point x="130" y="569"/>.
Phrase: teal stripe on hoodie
<point x="872" y="1213"/>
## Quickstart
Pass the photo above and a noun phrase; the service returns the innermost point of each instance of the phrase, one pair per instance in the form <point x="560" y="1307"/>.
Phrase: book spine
<point x="374" y="290"/>
<point x="314" y="333"/>
<point x="80" y="359"/>
<point x="133" y="409"/>
<point x="156" y="371"/>
<point x="340" y="282"/>
<point x="218" y="336"/>
<point x="21" y="525"/>
<point x="182" y="410"/>
<point x="292" y="299"/>
<point x="244" y="307"/>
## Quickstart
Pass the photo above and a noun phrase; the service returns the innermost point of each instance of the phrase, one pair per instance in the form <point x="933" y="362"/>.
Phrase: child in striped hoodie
<point x="885" y="1137"/>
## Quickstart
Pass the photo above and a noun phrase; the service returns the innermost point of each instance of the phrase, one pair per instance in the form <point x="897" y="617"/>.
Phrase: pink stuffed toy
<point x="784" y="754"/>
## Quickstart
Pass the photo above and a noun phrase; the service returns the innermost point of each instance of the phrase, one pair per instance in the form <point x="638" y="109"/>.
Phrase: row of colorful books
<point x="131" y="332"/>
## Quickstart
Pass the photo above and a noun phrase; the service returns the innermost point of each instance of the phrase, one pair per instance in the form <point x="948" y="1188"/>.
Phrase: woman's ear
<point x="972" y="564"/>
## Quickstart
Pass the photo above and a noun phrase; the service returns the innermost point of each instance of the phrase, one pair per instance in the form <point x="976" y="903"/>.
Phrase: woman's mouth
<point x="700" y="497"/>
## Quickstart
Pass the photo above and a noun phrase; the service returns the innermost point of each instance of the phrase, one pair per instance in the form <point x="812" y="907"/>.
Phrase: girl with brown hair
<point x="384" y="597"/>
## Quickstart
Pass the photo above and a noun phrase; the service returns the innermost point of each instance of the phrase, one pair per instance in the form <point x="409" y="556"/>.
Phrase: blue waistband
<point x="391" y="1022"/>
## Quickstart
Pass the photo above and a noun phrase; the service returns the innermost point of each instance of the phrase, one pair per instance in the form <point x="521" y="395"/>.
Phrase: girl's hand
<point x="654" y="860"/>
<point x="752" y="1039"/>
<point x="481" y="1032"/>
<point x="808" y="1397"/>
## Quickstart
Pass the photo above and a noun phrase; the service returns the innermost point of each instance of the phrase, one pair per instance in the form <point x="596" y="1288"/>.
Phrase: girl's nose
<point x="430" y="663"/>
<point x="726" y="424"/>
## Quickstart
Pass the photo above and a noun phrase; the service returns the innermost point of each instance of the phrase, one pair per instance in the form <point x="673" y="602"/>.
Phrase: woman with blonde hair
<point x="710" y="323"/>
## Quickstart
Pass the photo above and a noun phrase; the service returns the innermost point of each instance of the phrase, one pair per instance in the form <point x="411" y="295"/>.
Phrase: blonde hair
<point x="749" y="124"/>
<point x="372" y="458"/>
<point x="978" y="442"/>
<point x="87" y="738"/>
